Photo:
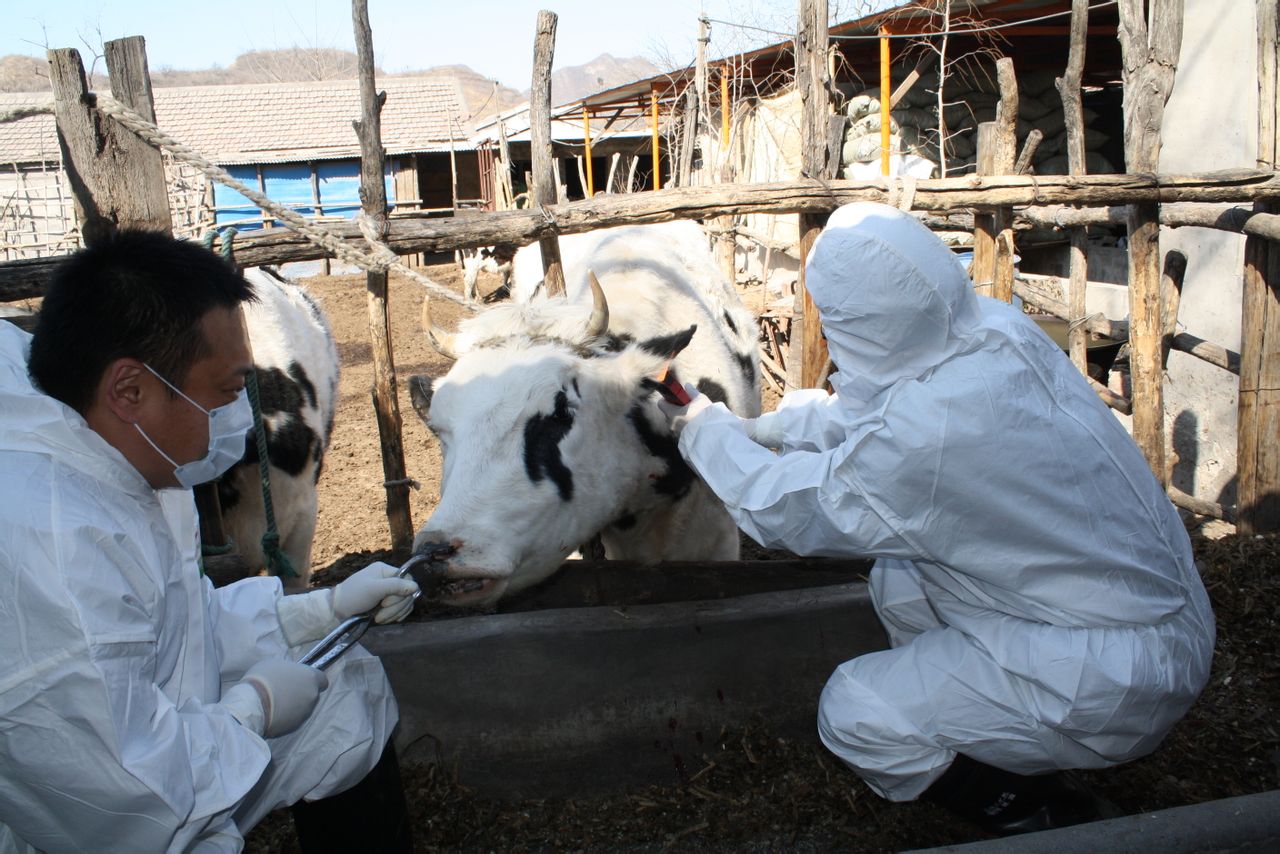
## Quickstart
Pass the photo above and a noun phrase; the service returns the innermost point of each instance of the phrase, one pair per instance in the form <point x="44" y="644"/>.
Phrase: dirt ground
<point x="756" y="792"/>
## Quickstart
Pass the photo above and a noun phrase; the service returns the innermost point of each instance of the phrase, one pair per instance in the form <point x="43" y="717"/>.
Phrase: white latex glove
<point x="375" y="586"/>
<point x="678" y="416"/>
<point x="275" y="696"/>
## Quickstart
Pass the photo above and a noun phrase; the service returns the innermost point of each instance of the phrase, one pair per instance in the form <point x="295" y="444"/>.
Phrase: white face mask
<point x="228" y="426"/>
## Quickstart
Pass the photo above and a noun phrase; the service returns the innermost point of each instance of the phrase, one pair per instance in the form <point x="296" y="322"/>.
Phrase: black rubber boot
<point x="1005" y="803"/>
<point x="370" y="816"/>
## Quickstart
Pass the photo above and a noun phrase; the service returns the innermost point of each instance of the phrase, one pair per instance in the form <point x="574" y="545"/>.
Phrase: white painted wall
<point x="1210" y="123"/>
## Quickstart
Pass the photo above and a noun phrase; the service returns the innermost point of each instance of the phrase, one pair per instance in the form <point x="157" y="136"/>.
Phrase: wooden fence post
<point x="1258" y="452"/>
<point x="992" y="270"/>
<point x="1072" y="110"/>
<point x="815" y="105"/>
<point x="1150" y="62"/>
<point x="983" y="268"/>
<point x="116" y="178"/>
<point x="544" y="171"/>
<point x="1004" y="159"/>
<point x="373" y="203"/>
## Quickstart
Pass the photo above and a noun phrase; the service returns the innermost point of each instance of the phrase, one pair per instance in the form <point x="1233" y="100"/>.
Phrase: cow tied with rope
<point x="296" y="366"/>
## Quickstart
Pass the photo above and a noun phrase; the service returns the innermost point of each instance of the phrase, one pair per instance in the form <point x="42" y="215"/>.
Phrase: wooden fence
<point x="1001" y="202"/>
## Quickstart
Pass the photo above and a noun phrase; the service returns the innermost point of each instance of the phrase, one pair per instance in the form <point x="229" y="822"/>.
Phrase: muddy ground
<point x="753" y="791"/>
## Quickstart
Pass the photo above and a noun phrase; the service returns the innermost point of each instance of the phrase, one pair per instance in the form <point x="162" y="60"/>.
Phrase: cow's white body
<point x="603" y="460"/>
<point x="487" y="259"/>
<point x="297" y="368"/>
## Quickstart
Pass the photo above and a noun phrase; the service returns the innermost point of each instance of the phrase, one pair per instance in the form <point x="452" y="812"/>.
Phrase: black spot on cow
<point x="669" y="345"/>
<point x="617" y="342"/>
<point x="542" y="437"/>
<point x="678" y="477"/>
<point x="291" y="443"/>
<point x="300" y="377"/>
<point x="625" y="522"/>
<point x="747" y="365"/>
<point x="733" y="327"/>
<point x="713" y="390"/>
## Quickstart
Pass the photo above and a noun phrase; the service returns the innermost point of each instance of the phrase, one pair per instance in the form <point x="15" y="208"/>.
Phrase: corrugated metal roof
<point x="906" y="16"/>
<point x="274" y="123"/>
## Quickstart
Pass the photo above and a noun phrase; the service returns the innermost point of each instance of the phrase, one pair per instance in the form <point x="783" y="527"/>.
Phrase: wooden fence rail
<point x="408" y="235"/>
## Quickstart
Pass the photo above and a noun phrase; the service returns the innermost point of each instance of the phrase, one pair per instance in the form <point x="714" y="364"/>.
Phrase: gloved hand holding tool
<point x="378" y="593"/>
<point x="275" y="696"/>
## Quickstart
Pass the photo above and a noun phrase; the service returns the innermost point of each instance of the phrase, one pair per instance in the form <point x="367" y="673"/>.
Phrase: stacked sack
<point x="968" y="102"/>
<point x="910" y="142"/>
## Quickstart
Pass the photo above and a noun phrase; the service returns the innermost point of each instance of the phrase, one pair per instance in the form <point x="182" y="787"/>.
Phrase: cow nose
<point x="428" y="565"/>
<point x="436" y="551"/>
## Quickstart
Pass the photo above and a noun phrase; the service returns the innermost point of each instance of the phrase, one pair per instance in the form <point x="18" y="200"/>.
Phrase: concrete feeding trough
<point x="615" y="675"/>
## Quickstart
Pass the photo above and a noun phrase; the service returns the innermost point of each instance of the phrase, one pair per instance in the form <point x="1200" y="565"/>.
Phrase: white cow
<point x="297" y="369"/>
<point x="488" y="259"/>
<point x="548" y="419"/>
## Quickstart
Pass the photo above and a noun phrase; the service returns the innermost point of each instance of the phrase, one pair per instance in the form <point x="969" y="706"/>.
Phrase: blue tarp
<point x="290" y="184"/>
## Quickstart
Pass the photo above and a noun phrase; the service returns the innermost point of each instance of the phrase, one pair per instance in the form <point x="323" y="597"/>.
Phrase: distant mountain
<point x="20" y="73"/>
<point x="603" y="72"/>
<point x="484" y="95"/>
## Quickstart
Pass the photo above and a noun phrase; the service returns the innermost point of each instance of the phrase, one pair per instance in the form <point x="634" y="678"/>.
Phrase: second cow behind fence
<point x="548" y="419"/>
<point x="297" y="370"/>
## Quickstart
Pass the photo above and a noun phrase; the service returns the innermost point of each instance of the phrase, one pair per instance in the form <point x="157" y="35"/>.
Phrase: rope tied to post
<point x="908" y="197"/>
<point x="374" y="229"/>
<point x="550" y="218"/>
<point x="1075" y="324"/>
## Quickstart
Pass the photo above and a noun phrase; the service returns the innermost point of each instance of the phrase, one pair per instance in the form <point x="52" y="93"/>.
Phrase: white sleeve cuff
<point x="244" y="704"/>
<point x="306" y="617"/>
<point x="767" y="430"/>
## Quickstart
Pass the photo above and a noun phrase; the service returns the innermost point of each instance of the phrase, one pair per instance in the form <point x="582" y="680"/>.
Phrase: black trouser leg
<point x="1006" y="803"/>
<point x="371" y="816"/>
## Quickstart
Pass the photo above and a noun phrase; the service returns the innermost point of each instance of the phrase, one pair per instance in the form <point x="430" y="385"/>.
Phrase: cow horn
<point x="598" y="325"/>
<point x="440" y="339"/>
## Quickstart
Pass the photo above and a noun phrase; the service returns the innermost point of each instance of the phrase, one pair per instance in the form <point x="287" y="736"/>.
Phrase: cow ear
<point x="420" y="391"/>
<point x="669" y="346"/>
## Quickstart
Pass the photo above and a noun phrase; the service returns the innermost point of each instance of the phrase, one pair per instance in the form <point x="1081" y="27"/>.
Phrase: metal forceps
<point x="349" y="631"/>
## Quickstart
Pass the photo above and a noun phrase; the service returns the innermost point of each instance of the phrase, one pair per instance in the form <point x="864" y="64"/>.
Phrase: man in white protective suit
<point x="1036" y="584"/>
<point x="140" y="708"/>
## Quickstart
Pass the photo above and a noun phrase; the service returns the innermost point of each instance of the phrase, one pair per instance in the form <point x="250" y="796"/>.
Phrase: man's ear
<point x="121" y="389"/>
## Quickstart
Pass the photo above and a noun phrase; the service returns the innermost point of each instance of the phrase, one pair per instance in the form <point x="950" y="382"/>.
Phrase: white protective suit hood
<point x="894" y="301"/>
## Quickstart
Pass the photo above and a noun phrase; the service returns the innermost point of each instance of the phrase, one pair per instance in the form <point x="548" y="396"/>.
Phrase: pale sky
<point x="493" y="37"/>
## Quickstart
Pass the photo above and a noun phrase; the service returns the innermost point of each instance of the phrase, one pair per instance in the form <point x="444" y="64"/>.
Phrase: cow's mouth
<point x="468" y="591"/>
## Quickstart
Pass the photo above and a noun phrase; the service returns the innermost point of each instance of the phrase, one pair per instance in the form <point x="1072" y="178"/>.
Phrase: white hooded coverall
<point x="115" y="651"/>
<point x="1036" y="584"/>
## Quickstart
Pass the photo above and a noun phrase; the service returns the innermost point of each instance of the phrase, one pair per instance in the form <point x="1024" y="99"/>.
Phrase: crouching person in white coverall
<point x="1036" y="585"/>
<point x="140" y="708"/>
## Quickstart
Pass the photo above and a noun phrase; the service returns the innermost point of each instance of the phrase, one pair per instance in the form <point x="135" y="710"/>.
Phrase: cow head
<point x="549" y="431"/>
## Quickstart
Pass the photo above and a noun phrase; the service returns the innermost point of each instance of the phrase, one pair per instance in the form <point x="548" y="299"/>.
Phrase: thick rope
<point x="17" y="114"/>
<point x="317" y="235"/>
<point x="277" y="561"/>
